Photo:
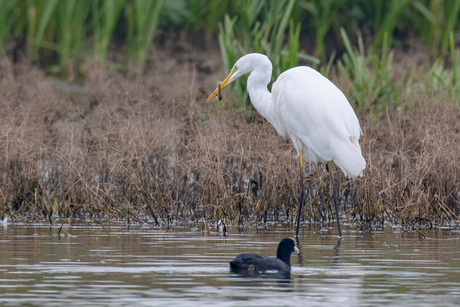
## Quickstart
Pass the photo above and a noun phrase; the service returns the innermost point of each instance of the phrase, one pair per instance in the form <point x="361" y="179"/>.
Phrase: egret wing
<point x="316" y="114"/>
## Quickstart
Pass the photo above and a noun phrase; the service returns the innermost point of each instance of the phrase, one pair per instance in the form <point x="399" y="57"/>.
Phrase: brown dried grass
<point x="413" y="174"/>
<point x="146" y="150"/>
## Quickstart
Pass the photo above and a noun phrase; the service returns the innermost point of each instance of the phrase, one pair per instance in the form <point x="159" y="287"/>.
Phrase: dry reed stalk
<point x="145" y="151"/>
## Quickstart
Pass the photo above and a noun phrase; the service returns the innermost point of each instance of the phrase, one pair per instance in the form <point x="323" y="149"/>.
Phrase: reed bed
<point x="147" y="151"/>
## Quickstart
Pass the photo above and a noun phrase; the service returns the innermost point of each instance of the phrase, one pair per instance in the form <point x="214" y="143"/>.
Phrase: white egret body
<point x="308" y="108"/>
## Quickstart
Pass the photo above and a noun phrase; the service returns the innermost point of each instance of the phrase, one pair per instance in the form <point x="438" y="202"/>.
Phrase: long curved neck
<point x="261" y="98"/>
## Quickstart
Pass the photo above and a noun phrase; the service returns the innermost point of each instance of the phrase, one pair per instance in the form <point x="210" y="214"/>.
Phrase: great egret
<point x="308" y="108"/>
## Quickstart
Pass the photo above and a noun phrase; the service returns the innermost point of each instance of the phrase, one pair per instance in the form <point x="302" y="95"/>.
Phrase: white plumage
<point x="308" y="108"/>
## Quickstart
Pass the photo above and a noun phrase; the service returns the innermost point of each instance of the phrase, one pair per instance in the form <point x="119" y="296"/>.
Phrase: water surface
<point x="117" y="265"/>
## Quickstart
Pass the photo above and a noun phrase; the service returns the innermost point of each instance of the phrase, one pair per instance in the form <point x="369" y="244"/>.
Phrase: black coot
<point x="258" y="263"/>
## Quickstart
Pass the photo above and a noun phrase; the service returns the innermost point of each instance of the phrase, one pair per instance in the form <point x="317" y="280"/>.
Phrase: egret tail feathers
<point x="348" y="157"/>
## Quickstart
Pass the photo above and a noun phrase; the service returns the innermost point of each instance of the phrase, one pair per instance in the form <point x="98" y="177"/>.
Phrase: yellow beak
<point x="219" y="88"/>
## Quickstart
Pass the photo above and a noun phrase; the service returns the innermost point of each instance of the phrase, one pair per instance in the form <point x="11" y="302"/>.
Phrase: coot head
<point x="285" y="248"/>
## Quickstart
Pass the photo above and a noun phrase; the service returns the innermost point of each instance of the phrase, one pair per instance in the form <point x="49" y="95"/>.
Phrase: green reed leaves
<point x="105" y="17"/>
<point x="76" y="30"/>
<point x="370" y="74"/>
<point x="143" y="20"/>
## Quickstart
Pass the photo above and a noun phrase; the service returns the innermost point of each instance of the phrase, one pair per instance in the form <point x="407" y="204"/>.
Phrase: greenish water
<point x="118" y="265"/>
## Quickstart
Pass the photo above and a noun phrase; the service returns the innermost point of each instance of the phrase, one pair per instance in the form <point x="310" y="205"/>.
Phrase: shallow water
<point x="117" y="265"/>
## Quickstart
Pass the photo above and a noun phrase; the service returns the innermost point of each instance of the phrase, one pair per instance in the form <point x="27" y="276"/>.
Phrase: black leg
<point x="334" y="196"/>
<point x="301" y="197"/>
<point x="336" y="256"/>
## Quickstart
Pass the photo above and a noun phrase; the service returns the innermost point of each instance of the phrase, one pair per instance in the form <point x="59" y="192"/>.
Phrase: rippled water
<point x="117" y="265"/>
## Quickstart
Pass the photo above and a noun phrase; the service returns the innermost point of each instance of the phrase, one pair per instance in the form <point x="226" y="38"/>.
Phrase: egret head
<point x="245" y="65"/>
